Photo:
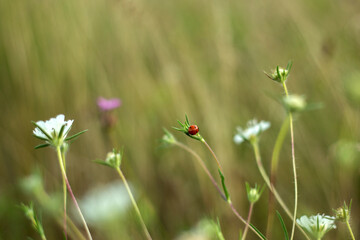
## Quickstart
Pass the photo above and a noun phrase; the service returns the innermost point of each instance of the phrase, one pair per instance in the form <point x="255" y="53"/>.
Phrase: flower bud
<point x="280" y="74"/>
<point x="168" y="138"/>
<point x="114" y="158"/>
<point x="343" y="213"/>
<point x="254" y="194"/>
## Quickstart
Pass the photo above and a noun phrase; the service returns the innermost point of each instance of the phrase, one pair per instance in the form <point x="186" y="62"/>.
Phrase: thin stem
<point x="44" y="199"/>
<point x="274" y="166"/>
<point x="202" y="164"/>
<point x="295" y="175"/>
<point x="266" y="178"/>
<point x="212" y="152"/>
<point x="271" y="187"/>
<point x="294" y="166"/>
<point x="134" y="204"/>
<point x="65" y="195"/>
<point x="71" y="192"/>
<point x="350" y="230"/>
<point x="248" y="220"/>
<point x="278" y="145"/>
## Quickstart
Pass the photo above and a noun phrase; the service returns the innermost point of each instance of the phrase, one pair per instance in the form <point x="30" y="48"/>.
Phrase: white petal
<point x="238" y="139"/>
<point x="60" y="118"/>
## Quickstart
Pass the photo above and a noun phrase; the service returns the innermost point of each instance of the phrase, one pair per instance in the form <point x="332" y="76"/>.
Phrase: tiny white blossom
<point x="105" y="203"/>
<point x="317" y="225"/>
<point x="253" y="130"/>
<point x="50" y="129"/>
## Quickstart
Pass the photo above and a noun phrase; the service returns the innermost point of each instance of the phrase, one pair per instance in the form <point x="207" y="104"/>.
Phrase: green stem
<point x="44" y="200"/>
<point x="65" y="195"/>
<point x="134" y="204"/>
<point x="278" y="145"/>
<point x="212" y="152"/>
<point x="248" y="220"/>
<point x="274" y="166"/>
<point x="351" y="232"/>
<point x="294" y="166"/>
<point x="61" y="162"/>
<point x="271" y="187"/>
<point x="202" y="164"/>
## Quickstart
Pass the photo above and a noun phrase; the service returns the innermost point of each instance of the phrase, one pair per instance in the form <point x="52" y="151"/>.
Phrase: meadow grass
<point x="164" y="59"/>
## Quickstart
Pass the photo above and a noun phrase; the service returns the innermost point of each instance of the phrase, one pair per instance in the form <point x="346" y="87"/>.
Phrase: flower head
<point x="343" y="213"/>
<point x="280" y="74"/>
<point x="254" y="194"/>
<point x="190" y="130"/>
<point x="317" y="225"/>
<point x="294" y="103"/>
<point x="113" y="159"/>
<point x="53" y="126"/>
<point x="168" y="138"/>
<point x="108" y="104"/>
<point x="204" y="229"/>
<point x="103" y="204"/>
<point x="54" y="131"/>
<point x="251" y="132"/>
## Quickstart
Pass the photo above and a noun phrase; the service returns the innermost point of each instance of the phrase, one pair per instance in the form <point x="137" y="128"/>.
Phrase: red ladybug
<point x="193" y="129"/>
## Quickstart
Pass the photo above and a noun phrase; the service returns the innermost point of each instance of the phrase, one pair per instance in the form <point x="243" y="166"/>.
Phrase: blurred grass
<point x="164" y="59"/>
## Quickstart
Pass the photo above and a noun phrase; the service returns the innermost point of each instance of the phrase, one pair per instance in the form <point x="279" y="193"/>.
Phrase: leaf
<point x="76" y="135"/>
<point x="240" y="234"/>
<point x="350" y="205"/>
<point x="257" y="230"/>
<point x="42" y="145"/>
<point x="278" y="72"/>
<point x="41" y="138"/>
<point x="223" y="185"/>
<point x="247" y="187"/>
<point x="181" y="123"/>
<point x="283" y="225"/>
<point x="62" y="130"/>
<point x="289" y="65"/>
<point x="187" y="120"/>
<point x="178" y="129"/>
<point x="102" y="162"/>
<point x="313" y="106"/>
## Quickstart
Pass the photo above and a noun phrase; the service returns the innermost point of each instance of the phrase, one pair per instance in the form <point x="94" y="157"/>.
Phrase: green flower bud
<point x="253" y="194"/>
<point x="114" y="158"/>
<point x="343" y="213"/>
<point x="190" y="130"/>
<point x="168" y="138"/>
<point x="280" y="74"/>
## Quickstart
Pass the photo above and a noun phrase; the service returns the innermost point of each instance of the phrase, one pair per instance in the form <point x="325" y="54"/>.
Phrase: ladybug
<point x="193" y="129"/>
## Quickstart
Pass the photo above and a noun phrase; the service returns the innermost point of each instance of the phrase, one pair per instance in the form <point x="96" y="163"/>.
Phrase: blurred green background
<point x="165" y="59"/>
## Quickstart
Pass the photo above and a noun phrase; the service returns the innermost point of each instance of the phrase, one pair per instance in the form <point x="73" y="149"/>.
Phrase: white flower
<point x="105" y="203"/>
<point x="294" y="103"/>
<point x="205" y="229"/>
<point x="50" y="130"/>
<point x="253" y="130"/>
<point x="317" y="225"/>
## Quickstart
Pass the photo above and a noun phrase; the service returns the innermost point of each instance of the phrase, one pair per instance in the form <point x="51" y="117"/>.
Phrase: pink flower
<point x="108" y="104"/>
